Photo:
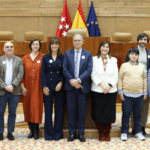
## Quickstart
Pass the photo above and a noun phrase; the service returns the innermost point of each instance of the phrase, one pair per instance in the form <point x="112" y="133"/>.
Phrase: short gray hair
<point x="78" y="34"/>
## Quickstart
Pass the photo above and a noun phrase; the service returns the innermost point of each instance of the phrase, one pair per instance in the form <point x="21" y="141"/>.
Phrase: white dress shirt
<point x="9" y="71"/>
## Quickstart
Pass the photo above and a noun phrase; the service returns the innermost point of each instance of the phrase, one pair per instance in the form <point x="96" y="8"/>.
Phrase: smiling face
<point x="104" y="49"/>
<point x="35" y="46"/>
<point x="8" y="48"/>
<point x="77" y="42"/>
<point x="133" y="57"/>
<point x="54" y="47"/>
<point x="143" y="42"/>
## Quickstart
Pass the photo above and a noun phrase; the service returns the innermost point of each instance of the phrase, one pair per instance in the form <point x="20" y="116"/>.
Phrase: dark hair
<point x="101" y="44"/>
<point x="52" y="41"/>
<point x="34" y="41"/>
<point x="133" y="51"/>
<point x="141" y="35"/>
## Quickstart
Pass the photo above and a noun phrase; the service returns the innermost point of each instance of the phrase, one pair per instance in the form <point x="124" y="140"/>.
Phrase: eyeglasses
<point x="77" y="40"/>
<point x="9" y="47"/>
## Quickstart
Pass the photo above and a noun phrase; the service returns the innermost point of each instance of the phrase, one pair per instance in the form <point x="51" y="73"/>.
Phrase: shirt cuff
<point x="79" y="80"/>
<point x="145" y="93"/>
<point x="120" y="92"/>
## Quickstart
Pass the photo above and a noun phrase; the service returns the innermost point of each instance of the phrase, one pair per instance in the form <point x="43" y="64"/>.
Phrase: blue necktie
<point x="76" y="65"/>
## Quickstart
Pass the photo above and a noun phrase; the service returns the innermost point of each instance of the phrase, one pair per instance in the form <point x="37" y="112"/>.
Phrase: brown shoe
<point x="100" y="128"/>
<point x="107" y="131"/>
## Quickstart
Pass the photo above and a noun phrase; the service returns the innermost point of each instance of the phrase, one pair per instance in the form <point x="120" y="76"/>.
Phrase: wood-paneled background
<point x="20" y="16"/>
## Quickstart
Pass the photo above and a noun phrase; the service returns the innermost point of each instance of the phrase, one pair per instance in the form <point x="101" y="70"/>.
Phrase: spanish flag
<point x="79" y="21"/>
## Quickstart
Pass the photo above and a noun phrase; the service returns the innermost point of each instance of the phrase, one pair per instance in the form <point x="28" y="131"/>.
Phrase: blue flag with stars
<point x="92" y="24"/>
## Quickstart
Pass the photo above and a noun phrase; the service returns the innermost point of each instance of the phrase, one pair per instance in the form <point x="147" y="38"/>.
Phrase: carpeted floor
<point x="22" y="143"/>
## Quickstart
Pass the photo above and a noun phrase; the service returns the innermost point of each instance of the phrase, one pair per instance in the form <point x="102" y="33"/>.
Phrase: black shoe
<point x="81" y="138"/>
<point x="36" y="131"/>
<point x="30" y="135"/>
<point x="10" y="137"/>
<point x="143" y="131"/>
<point x="49" y="139"/>
<point x="1" y="137"/>
<point x="36" y="136"/>
<point x="133" y="132"/>
<point x="71" y="138"/>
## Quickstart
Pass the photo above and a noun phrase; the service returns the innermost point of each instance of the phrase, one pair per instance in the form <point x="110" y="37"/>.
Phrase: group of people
<point x="39" y="78"/>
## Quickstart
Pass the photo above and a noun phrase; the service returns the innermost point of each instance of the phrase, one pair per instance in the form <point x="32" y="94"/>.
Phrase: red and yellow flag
<point x="79" y="21"/>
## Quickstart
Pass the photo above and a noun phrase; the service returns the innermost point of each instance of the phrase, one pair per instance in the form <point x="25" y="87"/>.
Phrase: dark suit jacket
<point x="85" y="69"/>
<point x="51" y="73"/>
<point x="18" y="72"/>
<point x="148" y="57"/>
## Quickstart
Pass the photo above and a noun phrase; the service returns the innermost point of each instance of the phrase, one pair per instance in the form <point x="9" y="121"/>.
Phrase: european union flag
<point x="91" y="23"/>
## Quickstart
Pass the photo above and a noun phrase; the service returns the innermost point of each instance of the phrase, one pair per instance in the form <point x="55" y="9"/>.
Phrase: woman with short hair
<point x="31" y="88"/>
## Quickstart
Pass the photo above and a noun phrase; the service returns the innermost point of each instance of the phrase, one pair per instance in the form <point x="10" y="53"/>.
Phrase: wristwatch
<point x="110" y="85"/>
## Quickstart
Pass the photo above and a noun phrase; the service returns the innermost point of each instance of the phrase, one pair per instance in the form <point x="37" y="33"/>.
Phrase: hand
<point x="46" y="91"/>
<point x="78" y="86"/>
<point x="58" y="87"/>
<point x="105" y="91"/>
<point x="106" y="88"/>
<point x="9" y="88"/>
<point x="145" y="97"/>
<point x="24" y="91"/>
<point x="74" y="82"/>
<point x="121" y="97"/>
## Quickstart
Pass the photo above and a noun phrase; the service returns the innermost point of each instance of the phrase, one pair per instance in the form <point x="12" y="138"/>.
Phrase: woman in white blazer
<point x="104" y="90"/>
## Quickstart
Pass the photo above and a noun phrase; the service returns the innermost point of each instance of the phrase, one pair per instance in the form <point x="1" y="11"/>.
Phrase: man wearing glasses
<point x="77" y="68"/>
<point x="11" y="74"/>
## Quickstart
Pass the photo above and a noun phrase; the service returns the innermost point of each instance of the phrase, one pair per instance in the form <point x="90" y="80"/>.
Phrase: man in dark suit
<point x="11" y="74"/>
<point x="144" y="58"/>
<point x="77" y="68"/>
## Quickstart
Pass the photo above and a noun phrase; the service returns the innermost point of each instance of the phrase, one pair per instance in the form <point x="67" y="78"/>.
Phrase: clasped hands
<point x="75" y="83"/>
<point x="105" y="87"/>
<point x="46" y="90"/>
<point x="9" y="88"/>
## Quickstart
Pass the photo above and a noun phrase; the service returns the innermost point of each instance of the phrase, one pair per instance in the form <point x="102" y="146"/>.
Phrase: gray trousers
<point x="144" y="113"/>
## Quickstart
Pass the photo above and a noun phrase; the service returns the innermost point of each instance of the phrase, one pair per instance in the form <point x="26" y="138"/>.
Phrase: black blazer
<point x="51" y="73"/>
<point x="148" y="57"/>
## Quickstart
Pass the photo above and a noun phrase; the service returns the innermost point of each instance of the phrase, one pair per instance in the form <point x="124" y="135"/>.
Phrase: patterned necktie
<point x="76" y="65"/>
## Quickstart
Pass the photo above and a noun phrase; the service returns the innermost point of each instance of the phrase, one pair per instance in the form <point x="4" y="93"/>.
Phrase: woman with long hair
<point x="52" y="81"/>
<point x="104" y="90"/>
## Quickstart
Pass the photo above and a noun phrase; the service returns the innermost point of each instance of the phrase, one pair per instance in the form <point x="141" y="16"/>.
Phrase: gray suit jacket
<point x="18" y="72"/>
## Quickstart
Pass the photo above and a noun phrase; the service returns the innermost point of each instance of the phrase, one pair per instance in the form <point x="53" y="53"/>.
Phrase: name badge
<point x="83" y="57"/>
<point x="4" y="62"/>
<point x="148" y="56"/>
<point x="38" y="61"/>
<point x="50" y="61"/>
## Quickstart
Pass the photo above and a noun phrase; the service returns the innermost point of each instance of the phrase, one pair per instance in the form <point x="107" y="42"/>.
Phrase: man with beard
<point x="144" y="58"/>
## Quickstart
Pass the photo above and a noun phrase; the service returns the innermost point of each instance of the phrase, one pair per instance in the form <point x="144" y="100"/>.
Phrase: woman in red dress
<point x="31" y="88"/>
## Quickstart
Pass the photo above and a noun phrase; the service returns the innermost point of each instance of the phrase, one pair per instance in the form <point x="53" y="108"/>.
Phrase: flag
<point x="91" y="23"/>
<point x="64" y="23"/>
<point x="79" y="21"/>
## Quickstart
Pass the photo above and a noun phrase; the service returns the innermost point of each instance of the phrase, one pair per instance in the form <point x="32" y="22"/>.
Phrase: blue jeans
<point x="12" y="106"/>
<point x="132" y="104"/>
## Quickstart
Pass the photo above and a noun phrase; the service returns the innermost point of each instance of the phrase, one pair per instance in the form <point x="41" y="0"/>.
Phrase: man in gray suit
<point x="11" y="74"/>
